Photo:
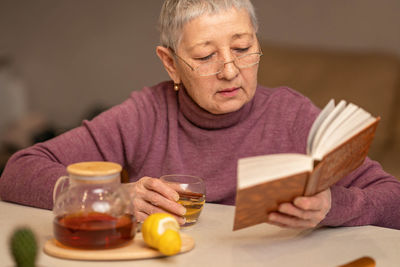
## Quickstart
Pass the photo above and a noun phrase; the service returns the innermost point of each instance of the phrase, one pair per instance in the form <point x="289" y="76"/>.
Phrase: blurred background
<point x="64" y="61"/>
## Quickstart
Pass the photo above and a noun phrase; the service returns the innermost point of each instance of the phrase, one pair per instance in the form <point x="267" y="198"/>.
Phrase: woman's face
<point x="221" y="37"/>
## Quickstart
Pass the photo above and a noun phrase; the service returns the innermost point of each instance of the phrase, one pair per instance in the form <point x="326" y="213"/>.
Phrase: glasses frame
<point x="260" y="53"/>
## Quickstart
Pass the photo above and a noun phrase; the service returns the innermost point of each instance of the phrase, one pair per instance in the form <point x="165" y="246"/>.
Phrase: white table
<point x="218" y="245"/>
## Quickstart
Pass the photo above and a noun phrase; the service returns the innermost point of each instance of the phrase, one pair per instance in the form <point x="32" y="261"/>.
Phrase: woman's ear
<point x="168" y="61"/>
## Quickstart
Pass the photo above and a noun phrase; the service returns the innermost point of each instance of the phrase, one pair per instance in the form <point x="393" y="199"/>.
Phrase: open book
<point x="338" y="143"/>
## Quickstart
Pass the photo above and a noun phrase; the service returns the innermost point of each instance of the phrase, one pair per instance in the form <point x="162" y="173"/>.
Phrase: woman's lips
<point x="229" y="92"/>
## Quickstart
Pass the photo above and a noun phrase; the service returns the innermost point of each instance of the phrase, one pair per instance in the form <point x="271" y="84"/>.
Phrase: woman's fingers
<point x="159" y="186"/>
<point x="292" y="217"/>
<point x="144" y="209"/>
<point x="320" y="201"/>
<point x="304" y="212"/>
<point x="290" y="209"/>
<point x="160" y="202"/>
<point x="150" y="195"/>
<point x="287" y="221"/>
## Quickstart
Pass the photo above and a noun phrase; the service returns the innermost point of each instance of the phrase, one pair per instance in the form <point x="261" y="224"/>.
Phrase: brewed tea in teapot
<point x="92" y="209"/>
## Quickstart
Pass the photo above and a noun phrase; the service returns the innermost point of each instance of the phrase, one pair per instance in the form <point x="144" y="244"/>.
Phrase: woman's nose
<point x="229" y="70"/>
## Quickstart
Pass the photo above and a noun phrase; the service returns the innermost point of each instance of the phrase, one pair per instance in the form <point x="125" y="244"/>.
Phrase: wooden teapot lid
<point x="94" y="168"/>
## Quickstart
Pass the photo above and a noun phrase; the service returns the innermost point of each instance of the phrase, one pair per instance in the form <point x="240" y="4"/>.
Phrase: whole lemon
<point x="161" y="231"/>
<point x="170" y="242"/>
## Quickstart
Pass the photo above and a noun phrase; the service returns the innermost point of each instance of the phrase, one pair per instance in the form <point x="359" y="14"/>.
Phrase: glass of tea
<point x="92" y="209"/>
<point x="192" y="194"/>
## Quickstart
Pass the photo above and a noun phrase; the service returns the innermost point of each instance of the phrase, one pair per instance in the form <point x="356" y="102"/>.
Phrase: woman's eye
<point x="242" y="50"/>
<point x="206" y="57"/>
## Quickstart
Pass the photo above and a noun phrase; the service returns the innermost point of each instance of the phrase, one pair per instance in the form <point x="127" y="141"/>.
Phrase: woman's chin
<point x="228" y="107"/>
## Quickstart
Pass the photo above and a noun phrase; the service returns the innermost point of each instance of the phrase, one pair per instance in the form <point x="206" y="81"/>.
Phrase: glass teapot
<point x="91" y="207"/>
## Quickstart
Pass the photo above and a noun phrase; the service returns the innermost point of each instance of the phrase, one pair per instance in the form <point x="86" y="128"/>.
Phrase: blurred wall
<point x="73" y="54"/>
<point x="343" y="24"/>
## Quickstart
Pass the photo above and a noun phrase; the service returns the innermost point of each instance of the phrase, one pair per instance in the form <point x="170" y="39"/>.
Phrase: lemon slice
<point x="161" y="231"/>
<point x="166" y="223"/>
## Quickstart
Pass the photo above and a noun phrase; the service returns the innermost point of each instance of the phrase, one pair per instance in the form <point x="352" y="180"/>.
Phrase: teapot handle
<point x="60" y="181"/>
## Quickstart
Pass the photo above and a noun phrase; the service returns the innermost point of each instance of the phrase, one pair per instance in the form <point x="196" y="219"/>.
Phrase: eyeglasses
<point x="215" y="67"/>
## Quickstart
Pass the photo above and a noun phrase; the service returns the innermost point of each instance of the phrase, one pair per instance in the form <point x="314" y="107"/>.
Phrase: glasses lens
<point x="210" y="68"/>
<point x="248" y="60"/>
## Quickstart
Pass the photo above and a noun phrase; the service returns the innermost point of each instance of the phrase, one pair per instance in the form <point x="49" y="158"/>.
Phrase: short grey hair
<point x="176" y="13"/>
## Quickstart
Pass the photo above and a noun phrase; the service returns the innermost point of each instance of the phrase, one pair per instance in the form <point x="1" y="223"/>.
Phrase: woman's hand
<point x="151" y="195"/>
<point x="304" y="212"/>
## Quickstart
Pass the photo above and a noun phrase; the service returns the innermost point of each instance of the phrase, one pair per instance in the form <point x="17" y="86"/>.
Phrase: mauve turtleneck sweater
<point x="158" y="131"/>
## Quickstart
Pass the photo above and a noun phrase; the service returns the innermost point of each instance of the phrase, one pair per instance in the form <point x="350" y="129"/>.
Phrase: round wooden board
<point x="135" y="249"/>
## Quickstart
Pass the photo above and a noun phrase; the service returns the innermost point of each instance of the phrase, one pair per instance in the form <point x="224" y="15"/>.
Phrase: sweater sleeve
<point x="31" y="173"/>
<point x="367" y="196"/>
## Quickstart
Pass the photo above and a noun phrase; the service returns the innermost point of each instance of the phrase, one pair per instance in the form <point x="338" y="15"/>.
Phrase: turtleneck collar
<point x="206" y="120"/>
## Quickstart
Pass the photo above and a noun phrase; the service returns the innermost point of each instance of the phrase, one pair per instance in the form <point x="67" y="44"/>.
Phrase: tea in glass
<point x="193" y="202"/>
<point x="191" y="190"/>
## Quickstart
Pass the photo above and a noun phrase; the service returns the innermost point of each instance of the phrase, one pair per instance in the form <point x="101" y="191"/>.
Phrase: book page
<point x="325" y="124"/>
<point x="347" y="134"/>
<point x="349" y="127"/>
<point x="336" y="124"/>
<point x="317" y="123"/>
<point x="259" y="169"/>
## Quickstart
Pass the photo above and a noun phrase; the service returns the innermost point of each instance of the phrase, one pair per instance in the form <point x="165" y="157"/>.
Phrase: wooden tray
<point x="135" y="249"/>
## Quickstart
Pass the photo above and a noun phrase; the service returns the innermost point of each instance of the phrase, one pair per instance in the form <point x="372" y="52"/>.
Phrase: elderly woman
<point x="211" y="114"/>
